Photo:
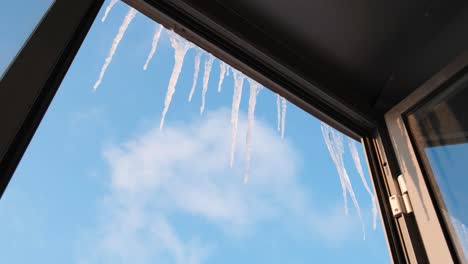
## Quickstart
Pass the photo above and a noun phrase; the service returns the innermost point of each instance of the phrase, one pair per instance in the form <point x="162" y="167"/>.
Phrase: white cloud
<point x="184" y="170"/>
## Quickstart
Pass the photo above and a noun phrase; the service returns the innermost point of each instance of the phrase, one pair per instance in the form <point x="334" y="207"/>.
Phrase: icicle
<point x="154" y="45"/>
<point x="108" y="9"/>
<point x="326" y="132"/>
<point x="283" y="116"/>
<point x="334" y="142"/>
<point x="128" y="18"/>
<point x="181" y="46"/>
<point x="338" y="141"/>
<point x="278" y="111"/>
<point x="222" y="73"/>
<point x="236" y="99"/>
<point x="344" y="193"/>
<point x="206" y="78"/>
<point x="254" y="88"/>
<point x="357" y="163"/>
<point x="195" y="74"/>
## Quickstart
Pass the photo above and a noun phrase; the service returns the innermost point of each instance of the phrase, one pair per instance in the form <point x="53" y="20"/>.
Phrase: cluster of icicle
<point x="333" y="139"/>
<point x="181" y="47"/>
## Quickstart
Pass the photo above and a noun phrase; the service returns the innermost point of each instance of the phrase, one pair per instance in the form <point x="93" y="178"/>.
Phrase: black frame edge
<point x="20" y="142"/>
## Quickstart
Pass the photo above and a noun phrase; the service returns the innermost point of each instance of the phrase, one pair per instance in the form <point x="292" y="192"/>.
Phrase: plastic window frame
<point x="30" y="83"/>
<point x="436" y="240"/>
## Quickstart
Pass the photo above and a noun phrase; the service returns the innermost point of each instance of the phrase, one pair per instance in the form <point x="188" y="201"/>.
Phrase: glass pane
<point x="18" y="20"/>
<point x="105" y="181"/>
<point x="440" y="130"/>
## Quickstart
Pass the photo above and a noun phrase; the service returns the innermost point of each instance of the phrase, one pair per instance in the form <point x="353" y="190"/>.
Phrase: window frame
<point x="33" y="77"/>
<point x="191" y="24"/>
<point x="422" y="189"/>
<point x="53" y="45"/>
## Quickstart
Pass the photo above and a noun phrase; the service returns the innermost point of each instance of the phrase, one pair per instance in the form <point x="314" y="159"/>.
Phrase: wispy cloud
<point x="155" y="177"/>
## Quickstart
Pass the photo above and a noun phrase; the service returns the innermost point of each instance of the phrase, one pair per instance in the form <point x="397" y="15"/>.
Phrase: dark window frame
<point x="57" y="39"/>
<point x="32" y="79"/>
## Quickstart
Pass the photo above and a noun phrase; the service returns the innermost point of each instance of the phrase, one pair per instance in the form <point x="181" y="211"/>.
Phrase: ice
<point x="254" y="88"/>
<point x="196" y="70"/>
<point x="236" y="99"/>
<point x="206" y="77"/>
<point x="222" y="72"/>
<point x="123" y="27"/>
<point x="357" y="163"/>
<point x="154" y="45"/>
<point x="283" y="116"/>
<point x="108" y="9"/>
<point x="278" y="111"/>
<point x="344" y="193"/>
<point x="334" y="141"/>
<point x="181" y="46"/>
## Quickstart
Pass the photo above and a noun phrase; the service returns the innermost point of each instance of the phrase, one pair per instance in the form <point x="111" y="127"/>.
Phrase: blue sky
<point x="100" y="183"/>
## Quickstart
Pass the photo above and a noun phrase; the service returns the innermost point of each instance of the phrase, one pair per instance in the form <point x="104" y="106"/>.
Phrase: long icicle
<point x="338" y="141"/>
<point x="278" y="111"/>
<point x="254" y="88"/>
<point x="196" y="70"/>
<point x="236" y="99"/>
<point x="334" y="142"/>
<point x="222" y="73"/>
<point x="108" y="9"/>
<point x="206" y="77"/>
<point x="181" y="46"/>
<point x="123" y="27"/>
<point x="344" y="191"/>
<point x="357" y="163"/>
<point x="154" y="45"/>
<point x="326" y="132"/>
<point x="283" y="116"/>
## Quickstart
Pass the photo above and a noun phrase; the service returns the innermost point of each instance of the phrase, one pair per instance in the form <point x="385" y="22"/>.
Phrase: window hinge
<point x="401" y="203"/>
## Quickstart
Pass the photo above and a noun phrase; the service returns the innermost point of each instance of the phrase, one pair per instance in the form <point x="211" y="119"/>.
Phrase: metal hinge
<point x="401" y="203"/>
